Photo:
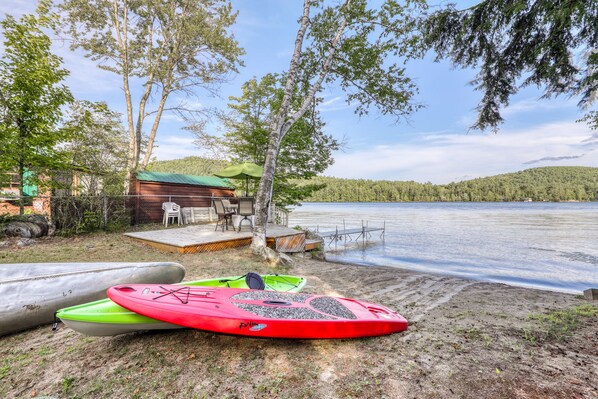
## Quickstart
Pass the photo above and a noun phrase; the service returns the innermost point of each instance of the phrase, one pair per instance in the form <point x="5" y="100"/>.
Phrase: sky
<point x="434" y="145"/>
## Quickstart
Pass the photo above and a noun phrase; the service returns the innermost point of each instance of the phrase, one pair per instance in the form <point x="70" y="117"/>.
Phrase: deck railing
<point x="278" y="215"/>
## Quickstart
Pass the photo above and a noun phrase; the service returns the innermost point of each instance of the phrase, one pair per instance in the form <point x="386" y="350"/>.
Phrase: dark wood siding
<point x="148" y="206"/>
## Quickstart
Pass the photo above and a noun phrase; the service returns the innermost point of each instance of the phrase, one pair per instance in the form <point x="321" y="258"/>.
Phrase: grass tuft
<point x="558" y="325"/>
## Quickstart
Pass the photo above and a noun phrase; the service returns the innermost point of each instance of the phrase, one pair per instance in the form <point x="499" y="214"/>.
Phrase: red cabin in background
<point x="151" y="189"/>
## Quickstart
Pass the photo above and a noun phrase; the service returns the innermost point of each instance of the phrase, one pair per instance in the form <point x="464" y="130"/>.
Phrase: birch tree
<point x="359" y="48"/>
<point x="305" y="151"/>
<point x="158" y="48"/>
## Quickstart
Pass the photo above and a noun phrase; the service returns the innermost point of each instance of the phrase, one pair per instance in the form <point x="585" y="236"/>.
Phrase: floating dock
<point x="364" y="232"/>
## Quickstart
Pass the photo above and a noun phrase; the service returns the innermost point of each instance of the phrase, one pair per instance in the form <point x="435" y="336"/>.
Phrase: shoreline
<point x="457" y="276"/>
<point x="466" y="339"/>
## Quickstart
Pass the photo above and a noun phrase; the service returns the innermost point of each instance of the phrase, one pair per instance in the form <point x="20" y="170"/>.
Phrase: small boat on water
<point x="104" y="317"/>
<point x="31" y="292"/>
<point x="254" y="313"/>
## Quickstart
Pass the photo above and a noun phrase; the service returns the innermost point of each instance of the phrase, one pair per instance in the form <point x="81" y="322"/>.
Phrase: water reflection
<point x="544" y="245"/>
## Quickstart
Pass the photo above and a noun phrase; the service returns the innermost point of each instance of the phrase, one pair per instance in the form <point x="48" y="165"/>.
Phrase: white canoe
<point x="31" y="292"/>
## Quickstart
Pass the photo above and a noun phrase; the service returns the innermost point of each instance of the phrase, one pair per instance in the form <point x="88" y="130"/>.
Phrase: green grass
<point x="67" y="384"/>
<point x="559" y="325"/>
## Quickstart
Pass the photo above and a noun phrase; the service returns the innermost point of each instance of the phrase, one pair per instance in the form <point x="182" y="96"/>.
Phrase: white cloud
<point x="174" y="147"/>
<point x="535" y="104"/>
<point x="336" y="103"/>
<point x="169" y="116"/>
<point x="442" y="158"/>
<point x="331" y="101"/>
<point x="85" y="77"/>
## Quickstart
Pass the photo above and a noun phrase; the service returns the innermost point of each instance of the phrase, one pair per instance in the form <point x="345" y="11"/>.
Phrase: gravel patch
<point x="331" y="306"/>
<point x="270" y="296"/>
<point x="282" y="312"/>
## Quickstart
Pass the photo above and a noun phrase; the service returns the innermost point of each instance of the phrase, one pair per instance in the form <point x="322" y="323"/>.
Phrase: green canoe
<point x="104" y="317"/>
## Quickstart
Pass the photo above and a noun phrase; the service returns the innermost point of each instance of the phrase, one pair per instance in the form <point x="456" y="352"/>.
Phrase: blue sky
<point x="434" y="145"/>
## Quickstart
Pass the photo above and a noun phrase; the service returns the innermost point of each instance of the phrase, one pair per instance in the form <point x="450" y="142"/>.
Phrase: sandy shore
<point x="466" y="339"/>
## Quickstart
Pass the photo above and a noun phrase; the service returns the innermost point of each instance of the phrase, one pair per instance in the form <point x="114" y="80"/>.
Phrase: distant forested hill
<point x="188" y="166"/>
<point x="558" y="183"/>
<point x="561" y="183"/>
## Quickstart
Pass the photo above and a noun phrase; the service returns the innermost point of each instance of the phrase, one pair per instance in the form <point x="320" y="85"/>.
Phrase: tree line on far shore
<point x="556" y="183"/>
<point x="538" y="184"/>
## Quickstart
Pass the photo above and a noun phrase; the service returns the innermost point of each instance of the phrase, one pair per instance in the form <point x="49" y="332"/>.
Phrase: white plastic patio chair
<point x="171" y="210"/>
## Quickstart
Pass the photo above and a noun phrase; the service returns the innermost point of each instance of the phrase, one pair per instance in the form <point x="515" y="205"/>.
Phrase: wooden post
<point x="105" y="209"/>
<point x="137" y="194"/>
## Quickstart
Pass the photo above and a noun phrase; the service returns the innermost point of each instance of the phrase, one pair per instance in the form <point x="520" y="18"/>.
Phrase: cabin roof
<point x="176" y="178"/>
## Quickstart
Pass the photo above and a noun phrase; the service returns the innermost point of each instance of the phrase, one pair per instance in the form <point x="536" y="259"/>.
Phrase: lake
<point x="542" y="245"/>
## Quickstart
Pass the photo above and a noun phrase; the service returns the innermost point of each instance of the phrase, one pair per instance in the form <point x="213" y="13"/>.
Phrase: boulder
<point x="25" y="242"/>
<point x="33" y="226"/>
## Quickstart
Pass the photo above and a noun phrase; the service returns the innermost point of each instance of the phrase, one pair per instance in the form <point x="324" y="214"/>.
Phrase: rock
<point x="285" y="259"/>
<point x="320" y="255"/>
<point x="273" y="257"/>
<point x="25" y="242"/>
<point x="33" y="226"/>
<point x="19" y="229"/>
<point x="4" y="244"/>
<point x="41" y="222"/>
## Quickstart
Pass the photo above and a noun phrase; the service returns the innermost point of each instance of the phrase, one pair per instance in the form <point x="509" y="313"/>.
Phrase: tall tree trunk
<point x="283" y="122"/>
<point x="133" y="155"/>
<point x="142" y="103"/>
<point x="264" y="194"/>
<point x="133" y="158"/>
<point x="152" y="135"/>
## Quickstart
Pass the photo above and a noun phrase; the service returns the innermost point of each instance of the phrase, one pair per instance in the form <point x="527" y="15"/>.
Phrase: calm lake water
<point x="550" y="246"/>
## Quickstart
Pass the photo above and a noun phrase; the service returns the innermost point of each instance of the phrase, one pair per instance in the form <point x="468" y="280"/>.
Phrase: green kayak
<point x="104" y="317"/>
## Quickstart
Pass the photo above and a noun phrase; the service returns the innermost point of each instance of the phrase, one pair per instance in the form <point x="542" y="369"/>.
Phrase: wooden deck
<point x="203" y="238"/>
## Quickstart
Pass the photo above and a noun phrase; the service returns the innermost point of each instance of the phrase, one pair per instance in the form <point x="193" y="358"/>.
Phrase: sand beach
<point x="466" y="339"/>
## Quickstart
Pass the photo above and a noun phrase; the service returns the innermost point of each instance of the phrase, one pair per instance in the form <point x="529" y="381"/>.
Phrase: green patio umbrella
<point x="245" y="170"/>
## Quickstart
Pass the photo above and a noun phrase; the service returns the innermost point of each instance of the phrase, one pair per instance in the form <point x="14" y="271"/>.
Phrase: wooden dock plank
<point x="310" y="245"/>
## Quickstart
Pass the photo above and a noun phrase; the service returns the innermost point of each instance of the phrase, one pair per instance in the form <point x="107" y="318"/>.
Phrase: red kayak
<point x="257" y="313"/>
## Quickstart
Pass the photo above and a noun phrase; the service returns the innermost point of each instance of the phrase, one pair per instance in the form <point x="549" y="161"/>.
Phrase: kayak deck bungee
<point x="255" y="313"/>
<point x="105" y="318"/>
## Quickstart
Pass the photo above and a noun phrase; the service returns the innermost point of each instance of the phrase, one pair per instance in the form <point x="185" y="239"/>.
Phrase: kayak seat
<point x="255" y="281"/>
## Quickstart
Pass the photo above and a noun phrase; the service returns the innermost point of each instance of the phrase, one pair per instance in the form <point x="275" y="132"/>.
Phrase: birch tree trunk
<point x="122" y="40"/>
<point x="283" y="122"/>
<point x="264" y="194"/>
<point x="152" y="135"/>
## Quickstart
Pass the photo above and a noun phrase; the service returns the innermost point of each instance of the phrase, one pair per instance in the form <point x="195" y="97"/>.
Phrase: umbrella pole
<point x="246" y="186"/>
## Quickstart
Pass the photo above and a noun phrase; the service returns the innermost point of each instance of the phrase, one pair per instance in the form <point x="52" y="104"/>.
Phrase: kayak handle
<point x="125" y="288"/>
<point x="279" y="303"/>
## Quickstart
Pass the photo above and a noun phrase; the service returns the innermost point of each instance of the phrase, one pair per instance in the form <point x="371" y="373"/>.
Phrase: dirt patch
<point x="465" y="340"/>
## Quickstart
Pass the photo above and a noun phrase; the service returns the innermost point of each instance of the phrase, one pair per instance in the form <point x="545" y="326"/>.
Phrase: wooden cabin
<point x="36" y="200"/>
<point x="151" y="189"/>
